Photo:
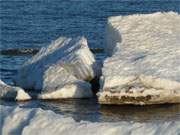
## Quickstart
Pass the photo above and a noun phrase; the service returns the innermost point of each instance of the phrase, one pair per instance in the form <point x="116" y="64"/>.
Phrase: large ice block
<point x="144" y="67"/>
<point x="10" y="92"/>
<point x="67" y="61"/>
<point x="35" y="121"/>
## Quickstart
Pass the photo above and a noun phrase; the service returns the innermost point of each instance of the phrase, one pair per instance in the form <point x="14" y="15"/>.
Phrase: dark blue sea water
<point x="35" y="23"/>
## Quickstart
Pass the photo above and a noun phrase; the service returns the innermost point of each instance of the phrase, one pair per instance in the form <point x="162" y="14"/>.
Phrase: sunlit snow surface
<point x="16" y="120"/>
<point x="60" y="70"/>
<point x="144" y="67"/>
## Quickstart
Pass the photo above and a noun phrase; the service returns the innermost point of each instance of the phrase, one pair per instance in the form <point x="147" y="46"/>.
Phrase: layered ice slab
<point x="10" y="92"/>
<point x="60" y="70"/>
<point x="16" y="121"/>
<point x="144" y="67"/>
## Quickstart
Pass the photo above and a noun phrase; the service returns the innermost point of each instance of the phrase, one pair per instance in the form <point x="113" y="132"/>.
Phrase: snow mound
<point x="144" y="67"/>
<point x="9" y="92"/>
<point x="66" y="63"/>
<point x="16" y="120"/>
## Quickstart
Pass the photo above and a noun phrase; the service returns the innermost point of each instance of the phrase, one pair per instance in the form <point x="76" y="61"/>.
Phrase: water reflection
<point x="141" y="113"/>
<point x="90" y="110"/>
<point x="79" y="109"/>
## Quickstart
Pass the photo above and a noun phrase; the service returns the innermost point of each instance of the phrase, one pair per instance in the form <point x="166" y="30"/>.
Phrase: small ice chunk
<point x="9" y="92"/>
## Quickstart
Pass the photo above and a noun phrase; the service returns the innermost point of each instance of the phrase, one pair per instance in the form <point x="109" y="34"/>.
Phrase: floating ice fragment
<point x="9" y="92"/>
<point x="66" y="63"/>
<point x="144" y="67"/>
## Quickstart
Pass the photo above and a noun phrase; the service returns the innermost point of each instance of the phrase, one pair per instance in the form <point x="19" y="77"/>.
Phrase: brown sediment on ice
<point x="140" y="98"/>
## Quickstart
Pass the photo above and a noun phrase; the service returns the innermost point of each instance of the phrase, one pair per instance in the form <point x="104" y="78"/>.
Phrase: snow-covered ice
<point x="79" y="89"/>
<point x="144" y="67"/>
<point x="62" y="68"/>
<point x="10" y="92"/>
<point x="35" y="121"/>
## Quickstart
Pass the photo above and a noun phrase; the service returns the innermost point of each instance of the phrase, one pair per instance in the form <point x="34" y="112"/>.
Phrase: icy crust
<point x="16" y="121"/>
<point x="67" y="61"/>
<point x="145" y="64"/>
<point x="143" y="32"/>
<point x="15" y="93"/>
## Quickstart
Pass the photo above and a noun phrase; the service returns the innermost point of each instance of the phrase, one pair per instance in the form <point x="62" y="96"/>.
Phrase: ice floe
<point x="66" y="65"/>
<point x="144" y="67"/>
<point x="10" y="92"/>
<point x="16" y="120"/>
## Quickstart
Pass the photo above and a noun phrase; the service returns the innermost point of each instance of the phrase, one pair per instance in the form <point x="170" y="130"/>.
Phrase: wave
<point x="17" y="52"/>
<point x="33" y="51"/>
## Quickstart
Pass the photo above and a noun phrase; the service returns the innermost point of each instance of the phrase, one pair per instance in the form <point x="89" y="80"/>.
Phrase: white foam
<point x="15" y="120"/>
<point x="145" y="58"/>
